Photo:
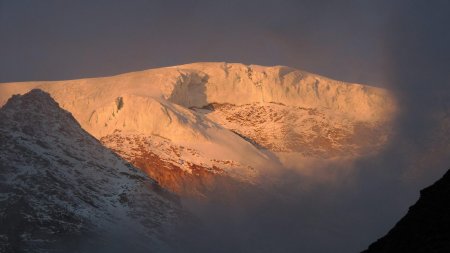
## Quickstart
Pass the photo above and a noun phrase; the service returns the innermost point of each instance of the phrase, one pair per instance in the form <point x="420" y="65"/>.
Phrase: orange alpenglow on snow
<point x="222" y="121"/>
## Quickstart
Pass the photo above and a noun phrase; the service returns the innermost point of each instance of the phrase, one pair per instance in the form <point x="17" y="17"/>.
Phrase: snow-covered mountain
<point x="60" y="189"/>
<point x="189" y="125"/>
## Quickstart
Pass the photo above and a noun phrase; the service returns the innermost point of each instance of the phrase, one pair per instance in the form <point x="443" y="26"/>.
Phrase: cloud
<point x="403" y="46"/>
<point x="360" y="206"/>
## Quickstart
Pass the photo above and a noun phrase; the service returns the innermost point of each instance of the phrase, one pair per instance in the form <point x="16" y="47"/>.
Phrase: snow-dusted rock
<point x="60" y="189"/>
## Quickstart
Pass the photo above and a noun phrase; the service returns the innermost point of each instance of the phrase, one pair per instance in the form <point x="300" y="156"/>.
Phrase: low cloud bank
<point x="362" y="203"/>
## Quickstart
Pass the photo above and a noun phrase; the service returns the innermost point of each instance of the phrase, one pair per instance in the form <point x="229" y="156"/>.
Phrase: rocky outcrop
<point x="311" y="132"/>
<point x="165" y="163"/>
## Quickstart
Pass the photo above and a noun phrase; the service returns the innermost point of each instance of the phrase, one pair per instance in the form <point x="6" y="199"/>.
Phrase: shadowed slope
<point x="60" y="189"/>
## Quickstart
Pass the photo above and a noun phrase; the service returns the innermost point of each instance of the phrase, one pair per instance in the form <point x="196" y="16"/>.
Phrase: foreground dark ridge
<point x="426" y="226"/>
<point x="62" y="191"/>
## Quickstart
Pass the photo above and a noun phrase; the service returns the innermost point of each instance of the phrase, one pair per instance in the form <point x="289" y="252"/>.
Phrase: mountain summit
<point x="188" y="125"/>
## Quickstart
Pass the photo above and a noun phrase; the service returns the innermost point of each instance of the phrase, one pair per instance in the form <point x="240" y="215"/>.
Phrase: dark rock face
<point x="426" y="226"/>
<point x="62" y="191"/>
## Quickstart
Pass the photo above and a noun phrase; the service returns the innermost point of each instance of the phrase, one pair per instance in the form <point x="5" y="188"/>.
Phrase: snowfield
<point x="231" y="119"/>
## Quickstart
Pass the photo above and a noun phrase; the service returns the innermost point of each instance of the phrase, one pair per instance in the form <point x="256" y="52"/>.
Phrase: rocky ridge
<point x="60" y="189"/>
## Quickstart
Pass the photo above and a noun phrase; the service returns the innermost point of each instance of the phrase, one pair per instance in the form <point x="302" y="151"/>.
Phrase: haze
<point x="402" y="46"/>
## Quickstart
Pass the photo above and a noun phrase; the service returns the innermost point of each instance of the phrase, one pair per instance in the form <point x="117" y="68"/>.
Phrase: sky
<point x="401" y="45"/>
<point x="52" y="39"/>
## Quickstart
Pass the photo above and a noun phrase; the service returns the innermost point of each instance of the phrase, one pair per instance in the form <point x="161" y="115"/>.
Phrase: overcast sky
<point x="53" y="39"/>
<point x="402" y="45"/>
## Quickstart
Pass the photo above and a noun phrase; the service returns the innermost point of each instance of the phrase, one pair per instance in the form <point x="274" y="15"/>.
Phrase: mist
<point x="361" y="200"/>
<point x="401" y="46"/>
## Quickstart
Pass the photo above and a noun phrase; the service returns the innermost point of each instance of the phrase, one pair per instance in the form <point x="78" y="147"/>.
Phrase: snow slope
<point x="59" y="184"/>
<point x="236" y="120"/>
